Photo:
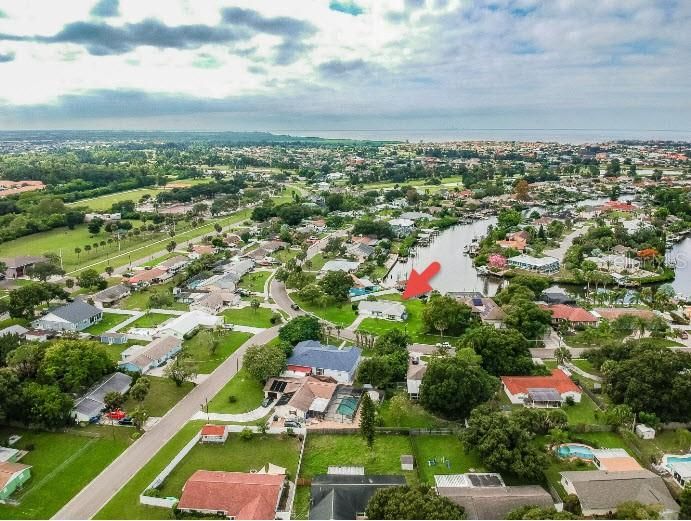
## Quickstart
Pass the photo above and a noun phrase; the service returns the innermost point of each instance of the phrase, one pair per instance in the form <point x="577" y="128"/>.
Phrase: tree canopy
<point x="504" y="352"/>
<point x="304" y="327"/>
<point x="265" y="361"/>
<point x="411" y="503"/>
<point x="446" y="315"/>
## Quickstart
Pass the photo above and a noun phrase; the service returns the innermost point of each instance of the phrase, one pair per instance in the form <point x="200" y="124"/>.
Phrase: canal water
<point x="457" y="271"/>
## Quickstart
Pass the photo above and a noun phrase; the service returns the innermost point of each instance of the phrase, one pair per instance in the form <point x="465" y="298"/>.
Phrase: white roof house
<point x="188" y="322"/>
<point x="530" y="263"/>
<point x="340" y="265"/>
<point x="385" y="309"/>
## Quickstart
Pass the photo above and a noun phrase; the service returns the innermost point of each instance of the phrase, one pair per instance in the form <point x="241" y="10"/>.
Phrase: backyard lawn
<point x="287" y="254"/>
<point x="115" y="350"/>
<point x="340" y="314"/>
<point x="248" y="393"/>
<point x="109" y="320"/>
<point x="199" y="352"/>
<point x="443" y="455"/>
<point x="301" y="503"/>
<point x="163" y="395"/>
<point x="583" y="412"/>
<point x="413" y="417"/>
<point x="235" y="455"/>
<point x="324" y="450"/>
<point x="150" y="320"/>
<point x="105" y="202"/>
<point x="260" y="317"/>
<point x="254" y="281"/>
<point x="317" y="261"/>
<point x="62" y="464"/>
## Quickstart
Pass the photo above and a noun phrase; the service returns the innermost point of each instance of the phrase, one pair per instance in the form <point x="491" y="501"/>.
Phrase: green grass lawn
<point x="585" y="365"/>
<point x="159" y="260"/>
<point x="285" y="255"/>
<point x="583" y="412"/>
<point x="114" y="350"/>
<point x="229" y="341"/>
<point x="62" y="464"/>
<point x="441" y="449"/>
<point x="150" y="320"/>
<point x="324" y="450"/>
<point x="139" y="300"/>
<point x="109" y="320"/>
<point x="301" y="503"/>
<point x="341" y="314"/>
<point x="105" y="202"/>
<point x="317" y="261"/>
<point x="254" y="281"/>
<point x="557" y="465"/>
<point x="260" y="317"/>
<point x="413" y="325"/>
<point x="163" y="395"/>
<point x="413" y="417"/>
<point x="236" y="455"/>
<point x="248" y="391"/>
<point x="125" y="504"/>
<point x="602" y="440"/>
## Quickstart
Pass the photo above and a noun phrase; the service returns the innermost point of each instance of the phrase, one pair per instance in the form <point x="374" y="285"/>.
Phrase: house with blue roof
<point x="313" y="357"/>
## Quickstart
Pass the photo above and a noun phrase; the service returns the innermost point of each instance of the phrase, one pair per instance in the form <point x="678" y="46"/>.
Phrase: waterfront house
<point x="537" y="264"/>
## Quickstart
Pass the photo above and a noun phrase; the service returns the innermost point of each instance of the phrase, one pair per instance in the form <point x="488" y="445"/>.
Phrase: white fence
<point x="158" y="480"/>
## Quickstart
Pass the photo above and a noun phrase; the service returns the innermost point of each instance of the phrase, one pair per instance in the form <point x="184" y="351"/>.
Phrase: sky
<point x="344" y="65"/>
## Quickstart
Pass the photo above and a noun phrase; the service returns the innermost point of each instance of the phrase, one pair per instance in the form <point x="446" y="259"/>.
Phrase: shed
<point x="645" y="432"/>
<point x="407" y="462"/>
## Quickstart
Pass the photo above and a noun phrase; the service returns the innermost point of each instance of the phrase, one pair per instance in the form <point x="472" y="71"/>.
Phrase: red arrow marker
<point x="418" y="283"/>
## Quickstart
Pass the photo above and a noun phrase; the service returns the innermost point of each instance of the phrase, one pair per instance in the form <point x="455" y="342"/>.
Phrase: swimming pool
<point x="686" y="458"/>
<point x="573" y="450"/>
<point x="347" y="406"/>
<point x="358" y="292"/>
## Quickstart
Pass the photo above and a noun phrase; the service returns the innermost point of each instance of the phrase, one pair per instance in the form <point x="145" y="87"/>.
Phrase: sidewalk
<point x="245" y="417"/>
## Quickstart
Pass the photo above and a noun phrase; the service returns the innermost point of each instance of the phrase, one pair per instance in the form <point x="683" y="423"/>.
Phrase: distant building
<point x="75" y="316"/>
<point x="573" y="316"/>
<point x="537" y="264"/>
<point x="113" y="338"/>
<point x="16" y="266"/>
<point x="340" y="265"/>
<point x="109" y="296"/>
<point x="402" y="227"/>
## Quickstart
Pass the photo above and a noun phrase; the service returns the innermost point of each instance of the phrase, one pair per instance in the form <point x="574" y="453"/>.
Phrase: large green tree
<point x="305" y="327"/>
<point x="528" y="318"/>
<point x="446" y="315"/>
<point x="336" y="284"/>
<point x="411" y="503"/>
<point x="504" y="352"/>
<point x="452" y="387"/>
<point x="74" y="365"/>
<point x="367" y="414"/>
<point x="263" y="362"/>
<point x="504" y="444"/>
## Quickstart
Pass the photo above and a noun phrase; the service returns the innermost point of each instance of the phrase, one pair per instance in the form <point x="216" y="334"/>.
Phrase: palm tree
<point x="339" y="327"/>
<point x="77" y="250"/>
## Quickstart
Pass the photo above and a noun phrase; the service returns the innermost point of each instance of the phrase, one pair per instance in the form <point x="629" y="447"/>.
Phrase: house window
<point x="320" y="371"/>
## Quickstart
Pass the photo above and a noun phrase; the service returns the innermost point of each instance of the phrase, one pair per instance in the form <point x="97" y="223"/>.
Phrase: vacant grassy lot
<point x="105" y="202"/>
<point x="247" y="316"/>
<point x="163" y="395"/>
<point x="150" y="320"/>
<point x="206" y="362"/>
<point x="236" y="455"/>
<point x="341" y="314"/>
<point x="62" y="464"/>
<point x="254" y="281"/>
<point x="247" y="390"/>
<point x="109" y="320"/>
<point x="413" y="417"/>
<point x="324" y="450"/>
<point x="443" y="455"/>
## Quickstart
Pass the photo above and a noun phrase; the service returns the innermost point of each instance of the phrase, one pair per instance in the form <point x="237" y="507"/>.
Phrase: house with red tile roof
<point x="619" y="206"/>
<point x="213" y="434"/>
<point x="541" y="391"/>
<point x="147" y="277"/>
<point x="236" y="495"/>
<point x="574" y="316"/>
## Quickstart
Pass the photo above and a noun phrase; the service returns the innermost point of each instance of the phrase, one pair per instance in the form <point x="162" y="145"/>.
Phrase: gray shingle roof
<point x="311" y="353"/>
<point x="112" y="293"/>
<point x="603" y="490"/>
<point x="496" y="502"/>
<point x="338" y="496"/>
<point x="76" y="311"/>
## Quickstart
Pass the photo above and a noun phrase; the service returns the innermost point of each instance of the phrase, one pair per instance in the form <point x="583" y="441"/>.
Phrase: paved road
<point x="567" y="241"/>
<point x="97" y="493"/>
